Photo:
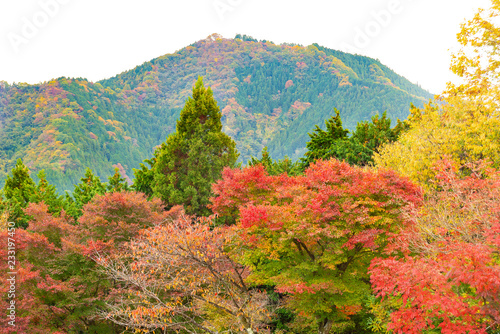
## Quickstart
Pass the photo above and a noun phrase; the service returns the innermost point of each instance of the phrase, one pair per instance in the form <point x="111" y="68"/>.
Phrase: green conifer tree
<point x="144" y="177"/>
<point x="89" y="186"/>
<point x="193" y="157"/>
<point x="17" y="192"/>
<point x="47" y="193"/>
<point x="273" y="167"/>
<point x="326" y="144"/>
<point x="357" y="149"/>
<point x="117" y="182"/>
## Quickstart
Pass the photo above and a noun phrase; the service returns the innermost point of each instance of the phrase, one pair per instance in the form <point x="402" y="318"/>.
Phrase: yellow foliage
<point x="461" y="130"/>
<point x="464" y="123"/>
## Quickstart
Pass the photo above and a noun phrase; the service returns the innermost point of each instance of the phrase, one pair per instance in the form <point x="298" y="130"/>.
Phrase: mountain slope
<point x="270" y="95"/>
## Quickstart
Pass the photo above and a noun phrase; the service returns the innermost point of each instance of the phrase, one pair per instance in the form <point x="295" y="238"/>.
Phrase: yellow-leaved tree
<point x="463" y="124"/>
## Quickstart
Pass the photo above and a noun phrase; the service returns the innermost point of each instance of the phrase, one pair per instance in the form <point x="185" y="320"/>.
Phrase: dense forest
<point x="270" y="96"/>
<point x="383" y="226"/>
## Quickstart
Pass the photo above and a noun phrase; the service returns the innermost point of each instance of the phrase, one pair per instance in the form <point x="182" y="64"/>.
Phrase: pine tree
<point x="278" y="167"/>
<point x="89" y="186"/>
<point x="117" y="182"/>
<point x="323" y="144"/>
<point x="378" y="132"/>
<point x="18" y="191"/>
<point x="357" y="149"/>
<point x="193" y="157"/>
<point x="47" y="193"/>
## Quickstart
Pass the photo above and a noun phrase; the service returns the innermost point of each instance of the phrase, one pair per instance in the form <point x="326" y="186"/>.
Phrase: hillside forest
<point x="385" y="225"/>
<point x="269" y="96"/>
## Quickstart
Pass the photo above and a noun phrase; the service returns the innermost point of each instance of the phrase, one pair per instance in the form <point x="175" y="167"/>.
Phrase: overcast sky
<point x="97" y="39"/>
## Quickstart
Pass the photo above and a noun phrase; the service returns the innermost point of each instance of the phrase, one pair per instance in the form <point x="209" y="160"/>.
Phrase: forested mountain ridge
<point x="270" y="95"/>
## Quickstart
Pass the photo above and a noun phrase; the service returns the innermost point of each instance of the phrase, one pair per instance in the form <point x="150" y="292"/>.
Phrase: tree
<point x="64" y="288"/>
<point x="118" y="216"/>
<point x="117" y="182"/>
<point x="144" y="177"/>
<point x="452" y="281"/>
<point x="378" y="132"/>
<point x="193" y="157"/>
<point x="32" y="315"/>
<point x="47" y="193"/>
<point x="178" y="277"/>
<point x="52" y="290"/>
<point x="466" y="127"/>
<point x="274" y="167"/>
<point x="69" y="286"/>
<point x="357" y="149"/>
<point x="89" y="186"/>
<point x="18" y="192"/>
<point x="322" y="143"/>
<point x="313" y="236"/>
<point x="477" y="62"/>
<point x="463" y="131"/>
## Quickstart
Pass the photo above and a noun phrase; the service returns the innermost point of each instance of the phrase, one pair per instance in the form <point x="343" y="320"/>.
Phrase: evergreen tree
<point x="325" y="144"/>
<point x="378" y="132"/>
<point x="47" y="193"/>
<point x="18" y="191"/>
<point x="117" y="182"/>
<point x="278" y="167"/>
<point x="193" y="157"/>
<point x="89" y="186"/>
<point x="144" y="177"/>
<point x="357" y="149"/>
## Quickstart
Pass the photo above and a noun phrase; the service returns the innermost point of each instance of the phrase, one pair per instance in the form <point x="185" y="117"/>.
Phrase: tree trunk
<point x="325" y="326"/>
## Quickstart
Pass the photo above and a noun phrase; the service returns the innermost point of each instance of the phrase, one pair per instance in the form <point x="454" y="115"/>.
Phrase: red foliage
<point x="119" y="216"/>
<point x="31" y="314"/>
<point x="453" y="282"/>
<point x="313" y="230"/>
<point x="56" y="275"/>
<point x="54" y="228"/>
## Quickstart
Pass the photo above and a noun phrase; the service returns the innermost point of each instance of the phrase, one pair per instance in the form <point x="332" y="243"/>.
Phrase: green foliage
<point x="47" y="193"/>
<point x="89" y="186"/>
<point x="17" y="193"/>
<point x="357" y="149"/>
<point x="193" y="157"/>
<point x="245" y="38"/>
<point x="270" y="95"/>
<point x="117" y="182"/>
<point x="144" y="177"/>
<point x="324" y="144"/>
<point x="378" y="132"/>
<point x="278" y="167"/>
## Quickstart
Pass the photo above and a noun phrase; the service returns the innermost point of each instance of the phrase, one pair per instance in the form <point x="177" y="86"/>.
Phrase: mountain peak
<point x="269" y="95"/>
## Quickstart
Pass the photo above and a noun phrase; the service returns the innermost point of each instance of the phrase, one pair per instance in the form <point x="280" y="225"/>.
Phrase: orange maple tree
<point x="178" y="276"/>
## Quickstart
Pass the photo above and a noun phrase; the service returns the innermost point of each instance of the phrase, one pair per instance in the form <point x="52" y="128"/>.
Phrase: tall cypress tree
<point x="193" y="156"/>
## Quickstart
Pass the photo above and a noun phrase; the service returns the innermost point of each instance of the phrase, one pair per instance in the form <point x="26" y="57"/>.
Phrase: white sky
<point x="97" y="39"/>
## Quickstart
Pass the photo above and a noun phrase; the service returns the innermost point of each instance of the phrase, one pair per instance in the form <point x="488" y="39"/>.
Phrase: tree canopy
<point x="192" y="158"/>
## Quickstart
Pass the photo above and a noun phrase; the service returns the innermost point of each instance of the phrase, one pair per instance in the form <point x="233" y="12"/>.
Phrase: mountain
<point x="270" y="95"/>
